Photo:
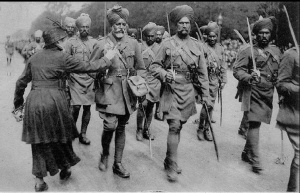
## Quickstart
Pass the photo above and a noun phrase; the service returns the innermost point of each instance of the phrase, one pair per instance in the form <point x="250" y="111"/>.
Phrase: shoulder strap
<point x="118" y="53"/>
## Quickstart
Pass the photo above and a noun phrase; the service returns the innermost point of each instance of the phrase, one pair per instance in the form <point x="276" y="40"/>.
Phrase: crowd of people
<point x="70" y="69"/>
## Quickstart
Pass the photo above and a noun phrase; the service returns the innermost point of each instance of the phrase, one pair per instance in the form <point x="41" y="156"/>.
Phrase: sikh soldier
<point x="184" y="54"/>
<point x="132" y="32"/>
<point x="217" y="75"/>
<point x="145" y="110"/>
<point x="258" y="95"/>
<point x="81" y="84"/>
<point x="69" y="24"/>
<point x="160" y="30"/>
<point x="35" y="45"/>
<point x="202" y="29"/>
<point x="9" y="49"/>
<point x="288" y="116"/>
<point x="114" y="101"/>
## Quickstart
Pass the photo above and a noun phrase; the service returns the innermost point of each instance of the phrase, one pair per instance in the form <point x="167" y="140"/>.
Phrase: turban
<point x="83" y="18"/>
<point x="53" y="35"/>
<point x="166" y="35"/>
<point x="265" y="23"/>
<point x="212" y="27"/>
<point x="69" y="21"/>
<point x="116" y="13"/>
<point x="149" y="28"/>
<point x="38" y="33"/>
<point x="181" y="11"/>
<point x="131" y="31"/>
<point x="202" y="29"/>
<point x="161" y="29"/>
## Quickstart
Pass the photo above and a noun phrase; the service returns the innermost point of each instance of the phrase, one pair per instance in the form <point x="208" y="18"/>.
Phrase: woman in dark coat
<point x="48" y="124"/>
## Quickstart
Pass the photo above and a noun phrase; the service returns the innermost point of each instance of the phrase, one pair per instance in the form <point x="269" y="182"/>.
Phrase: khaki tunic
<point x="288" y="88"/>
<point x="149" y="53"/>
<point x="178" y="99"/>
<point x="81" y="84"/>
<point x="217" y="68"/>
<point x="257" y="99"/>
<point x="112" y="92"/>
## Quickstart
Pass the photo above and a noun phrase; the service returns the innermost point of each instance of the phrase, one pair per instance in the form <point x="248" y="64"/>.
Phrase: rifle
<point x="211" y="130"/>
<point x="145" y="120"/>
<point x="220" y="100"/>
<point x="199" y="31"/>
<point x="291" y="29"/>
<point x="172" y="69"/>
<point x="252" y="52"/>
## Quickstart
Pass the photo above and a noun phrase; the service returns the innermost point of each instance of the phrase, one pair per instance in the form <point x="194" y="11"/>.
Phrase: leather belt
<point x="41" y="84"/>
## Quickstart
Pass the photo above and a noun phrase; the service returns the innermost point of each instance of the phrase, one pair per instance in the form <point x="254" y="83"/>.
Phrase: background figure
<point x="114" y="101"/>
<point x="160" y="30"/>
<point x="69" y="24"/>
<point x="9" y="49"/>
<point x="258" y="95"/>
<point x="165" y="36"/>
<point x="81" y="84"/>
<point x="177" y="102"/>
<point x="36" y="45"/>
<point x="288" y="116"/>
<point x="217" y="76"/>
<point x="48" y="124"/>
<point x="145" y="111"/>
<point x="132" y="32"/>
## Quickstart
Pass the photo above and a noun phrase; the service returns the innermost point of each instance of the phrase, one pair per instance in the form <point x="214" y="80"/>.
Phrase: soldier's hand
<point x="169" y="76"/>
<point x="255" y="78"/>
<point x="111" y="54"/>
<point x="207" y="102"/>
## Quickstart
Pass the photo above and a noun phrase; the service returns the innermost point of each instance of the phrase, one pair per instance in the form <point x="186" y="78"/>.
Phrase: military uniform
<point x="81" y="84"/>
<point x="257" y="99"/>
<point x="288" y="115"/>
<point x="114" y="100"/>
<point x="148" y="54"/>
<point x="177" y="102"/>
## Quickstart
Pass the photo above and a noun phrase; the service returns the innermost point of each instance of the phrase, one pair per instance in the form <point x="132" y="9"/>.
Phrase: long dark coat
<point x="47" y="117"/>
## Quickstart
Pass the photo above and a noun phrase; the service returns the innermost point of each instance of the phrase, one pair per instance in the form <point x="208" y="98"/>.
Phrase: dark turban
<point x="82" y="19"/>
<point x="181" y="11"/>
<point x="265" y="23"/>
<point x="161" y="29"/>
<point x="116" y="13"/>
<point x="131" y="31"/>
<point x="53" y="35"/>
<point x="202" y="29"/>
<point x="212" y="27"/>
<point x="149" y="28"/>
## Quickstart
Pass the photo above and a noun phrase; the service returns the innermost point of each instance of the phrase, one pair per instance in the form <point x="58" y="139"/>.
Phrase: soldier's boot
<point x="200" y="131"/>
<point x="146" y="135"/>
<point x="139" y="135"/>
<point x="118" y="168"/>
<point x="207" y="135"/>
<point x="105" y="141"/>
<point x="103" y="163"/>
<point x="200" y="134"/>
<point x="177" y="168"/>
<point x="170" y="166"/>
<point x="243" y="132"/>
<point x="246" y="157"/>
<point x="86" y="116"/>
<point x="256" y="167"/>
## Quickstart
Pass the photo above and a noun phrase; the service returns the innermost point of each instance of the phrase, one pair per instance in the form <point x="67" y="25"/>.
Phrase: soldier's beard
<point x="183" y="33"/>
<point x="158" y="40"/>
<point x="84" y="34"/>
<point x="70" y="33"/>
<point x="118" y="34"/>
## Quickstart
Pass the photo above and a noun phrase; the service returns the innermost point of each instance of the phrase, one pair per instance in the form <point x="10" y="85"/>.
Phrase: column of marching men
<point x="71" y="69"/>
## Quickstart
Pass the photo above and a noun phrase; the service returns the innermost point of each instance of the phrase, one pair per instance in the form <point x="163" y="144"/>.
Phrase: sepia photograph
<point x="141" y="96"/>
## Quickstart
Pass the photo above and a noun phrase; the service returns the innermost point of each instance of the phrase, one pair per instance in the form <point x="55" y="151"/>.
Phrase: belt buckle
<point x="119" y="73"/>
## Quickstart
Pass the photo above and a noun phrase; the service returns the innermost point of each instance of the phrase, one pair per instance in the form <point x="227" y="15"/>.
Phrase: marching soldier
<point x="160" y="30"/>
<point x="69" y="24"/>
<point x="35" y="45"/>
<point x="9" y="49"/>
<point x="145" y="110"/>
<point x="114" y="101"/>
<point x="182" y="54"/>
<point x="217" y="75"/>
<point x="81" y="84"/>
<point x="258" y="95"/>
<point x="288" y="115"/>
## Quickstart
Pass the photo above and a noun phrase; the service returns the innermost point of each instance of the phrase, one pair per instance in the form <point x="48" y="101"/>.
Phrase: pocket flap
<point x="137" y="80"/>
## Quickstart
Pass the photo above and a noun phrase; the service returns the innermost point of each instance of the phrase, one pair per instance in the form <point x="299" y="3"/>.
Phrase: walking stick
<point x="212" y="132"/>
<point x="145" y="120"/>
<point x="281" y="159"/>
<point x="291" y="29"/>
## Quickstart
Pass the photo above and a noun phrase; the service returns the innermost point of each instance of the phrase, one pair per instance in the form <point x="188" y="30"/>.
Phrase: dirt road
<point x="201" y="170"/>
